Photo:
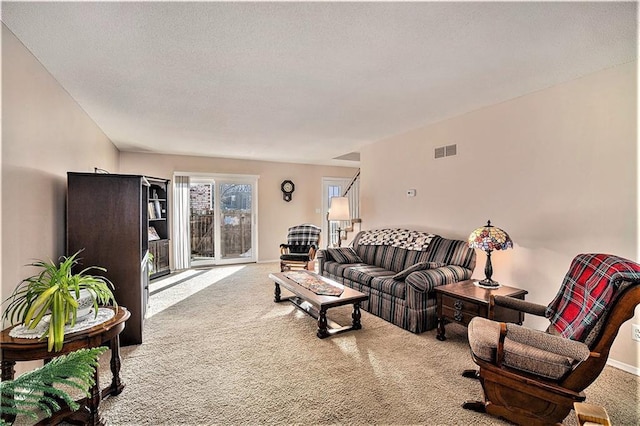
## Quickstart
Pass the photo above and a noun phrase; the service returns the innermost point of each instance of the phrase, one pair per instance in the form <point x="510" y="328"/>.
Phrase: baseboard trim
<point x="624" y="367"/>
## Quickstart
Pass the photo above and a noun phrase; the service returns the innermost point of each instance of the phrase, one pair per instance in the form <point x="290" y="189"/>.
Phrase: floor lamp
<point x="339" y="211"/>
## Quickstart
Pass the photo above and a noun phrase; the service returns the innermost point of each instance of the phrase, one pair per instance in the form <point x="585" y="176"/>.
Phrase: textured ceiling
<point x="307" y="82"/>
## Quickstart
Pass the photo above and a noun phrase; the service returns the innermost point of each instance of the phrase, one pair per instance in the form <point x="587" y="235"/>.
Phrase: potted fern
<point x="54" y="295"/>
<point x="35" y="391"/>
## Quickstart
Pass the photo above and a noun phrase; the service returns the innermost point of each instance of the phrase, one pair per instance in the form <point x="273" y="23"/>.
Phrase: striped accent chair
<point x="300" y="248"/>
<point x="400" y="281"/>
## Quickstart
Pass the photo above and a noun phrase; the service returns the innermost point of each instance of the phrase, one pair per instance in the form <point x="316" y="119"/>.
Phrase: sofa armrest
<point x="322" y="256"/>
<point x="519" y="305"/>
<point x="428" y="279"/>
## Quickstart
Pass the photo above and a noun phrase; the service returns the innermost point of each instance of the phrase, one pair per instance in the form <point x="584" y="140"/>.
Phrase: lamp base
<point x="487" y="283"/>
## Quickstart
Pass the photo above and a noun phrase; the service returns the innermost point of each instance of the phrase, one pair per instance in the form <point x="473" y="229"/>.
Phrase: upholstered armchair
<point x="533" y="377"/>
<point x="300" y="250"/>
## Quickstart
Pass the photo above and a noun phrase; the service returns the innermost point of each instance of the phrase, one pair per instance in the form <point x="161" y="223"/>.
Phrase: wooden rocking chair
<point x="531" y="377"/>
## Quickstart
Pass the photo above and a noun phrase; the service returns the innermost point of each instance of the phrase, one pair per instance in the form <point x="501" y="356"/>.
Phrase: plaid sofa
<point x="400" y="282"/>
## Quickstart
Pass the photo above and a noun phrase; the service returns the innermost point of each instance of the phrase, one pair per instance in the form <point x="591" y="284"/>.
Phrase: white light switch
<point x="411" y="192"/>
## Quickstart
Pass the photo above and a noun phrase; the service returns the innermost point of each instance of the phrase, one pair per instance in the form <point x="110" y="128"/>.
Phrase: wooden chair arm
<point x="518" y="305"/>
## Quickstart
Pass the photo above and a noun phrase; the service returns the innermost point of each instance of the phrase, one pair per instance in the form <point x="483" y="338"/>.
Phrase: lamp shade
<point x="490" y="238"/>
<point x="339" y="209"/>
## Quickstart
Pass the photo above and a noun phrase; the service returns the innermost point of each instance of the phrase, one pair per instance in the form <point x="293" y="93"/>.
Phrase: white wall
<point x="44" y="134"/>
<point x="556" y="169"/>
<point x="275" y="215"/>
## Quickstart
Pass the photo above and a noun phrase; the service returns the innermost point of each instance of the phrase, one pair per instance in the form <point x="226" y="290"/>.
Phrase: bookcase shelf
<point x="159" y="237"/>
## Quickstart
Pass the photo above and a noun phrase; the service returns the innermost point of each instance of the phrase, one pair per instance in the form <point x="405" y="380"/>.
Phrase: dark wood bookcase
<point x="159" y="236"/>
<point x="108" y="217"/>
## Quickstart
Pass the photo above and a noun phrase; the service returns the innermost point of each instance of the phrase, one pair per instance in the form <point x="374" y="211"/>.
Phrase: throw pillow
<point x="344" y="255"/>
<point x="420" y="266"/>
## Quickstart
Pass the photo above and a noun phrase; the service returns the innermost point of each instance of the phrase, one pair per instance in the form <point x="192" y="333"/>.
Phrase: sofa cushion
<point x="416" y="267"/>
<point x="428" y="279"/>
<point x="388" y="285"/>
<point x="344" y="255"/>
<point x="414" y="257"/>
<point x="336" y="269"/>
<point x="452" y="252"/>
<point x="363" y="274"/>
<point x="387" y="257"/>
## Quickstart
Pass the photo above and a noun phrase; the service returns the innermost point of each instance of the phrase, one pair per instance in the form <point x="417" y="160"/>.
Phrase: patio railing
<point x="235" y="238"/>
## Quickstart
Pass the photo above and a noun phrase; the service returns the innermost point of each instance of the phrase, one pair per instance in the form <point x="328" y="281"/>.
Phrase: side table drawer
<point x="459" y="310"/>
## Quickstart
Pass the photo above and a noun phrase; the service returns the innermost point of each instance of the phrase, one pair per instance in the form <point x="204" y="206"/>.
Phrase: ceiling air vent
<point x="446" y="151"/>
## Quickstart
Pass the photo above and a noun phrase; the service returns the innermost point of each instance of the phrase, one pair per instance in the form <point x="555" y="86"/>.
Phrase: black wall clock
<point x="287" y="189"/>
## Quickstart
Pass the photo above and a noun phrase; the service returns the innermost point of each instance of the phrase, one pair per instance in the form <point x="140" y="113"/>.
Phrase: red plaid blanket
<point x="590" y="284"/>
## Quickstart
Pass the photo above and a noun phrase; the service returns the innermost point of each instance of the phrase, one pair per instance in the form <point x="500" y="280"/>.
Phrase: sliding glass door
<point x="222" y="219"/>
<point x="236" y="224"/>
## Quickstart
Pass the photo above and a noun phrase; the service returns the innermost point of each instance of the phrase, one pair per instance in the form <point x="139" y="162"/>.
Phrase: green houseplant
<point x="34" y="391"/>
<point x="56" y="291"/>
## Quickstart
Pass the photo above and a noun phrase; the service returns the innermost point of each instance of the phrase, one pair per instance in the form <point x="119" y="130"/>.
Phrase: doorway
<point x="331" y="187"/>
<point x="222" y="219"/>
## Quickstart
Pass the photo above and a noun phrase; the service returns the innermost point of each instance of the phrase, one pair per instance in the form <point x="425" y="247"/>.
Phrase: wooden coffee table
<point x="316" y="305"/>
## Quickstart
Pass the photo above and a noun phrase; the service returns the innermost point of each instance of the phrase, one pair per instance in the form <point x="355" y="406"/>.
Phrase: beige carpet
<point x="227" y="354"/>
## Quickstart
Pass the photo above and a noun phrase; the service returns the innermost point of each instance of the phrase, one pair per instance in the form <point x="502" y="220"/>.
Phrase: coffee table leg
<point x="356" y="316"/>
<point x="322" y="324"/>
<point x="277" y="293"/>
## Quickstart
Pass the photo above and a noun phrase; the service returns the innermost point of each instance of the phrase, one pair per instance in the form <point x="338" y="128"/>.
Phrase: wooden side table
<point x="460" y="302"/>
<point x="14" y="349"/>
